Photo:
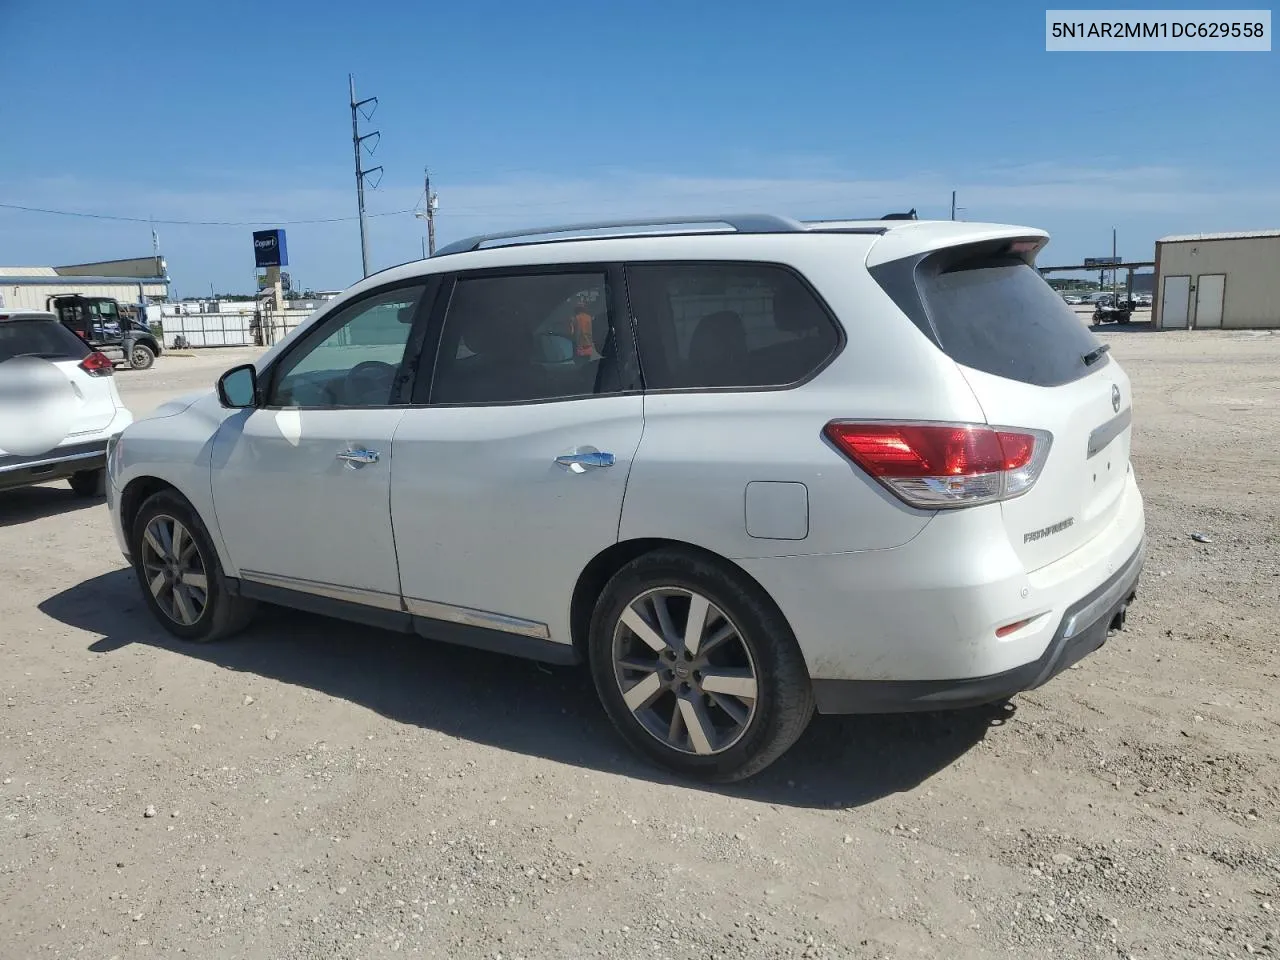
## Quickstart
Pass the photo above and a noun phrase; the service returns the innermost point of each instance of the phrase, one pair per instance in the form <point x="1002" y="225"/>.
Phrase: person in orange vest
<point x="581" y="331"/>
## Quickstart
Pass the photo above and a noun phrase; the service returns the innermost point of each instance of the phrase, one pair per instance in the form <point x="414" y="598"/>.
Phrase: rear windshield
<point x="47" y="339"/>
<point x="1003" y="319"/>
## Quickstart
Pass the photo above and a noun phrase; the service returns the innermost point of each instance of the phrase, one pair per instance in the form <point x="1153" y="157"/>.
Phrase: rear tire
<point x="722" y="711"/>
<point x="89" y="483"/>
<point x="178" y="570"/>
<point x="141" y="356"/>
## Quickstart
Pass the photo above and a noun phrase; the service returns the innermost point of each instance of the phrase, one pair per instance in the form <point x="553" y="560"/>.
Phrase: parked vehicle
<point x="101" y="324"/>
<point x="865" y="466"/>
<point x="58" y="405"/>
<point x="1106" y="310"/>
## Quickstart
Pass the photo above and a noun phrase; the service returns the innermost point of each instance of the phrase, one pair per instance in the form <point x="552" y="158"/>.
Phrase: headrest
<point x="718" y="335"/>
<point x="794" y="309"/>
<point x="492" y="334"/>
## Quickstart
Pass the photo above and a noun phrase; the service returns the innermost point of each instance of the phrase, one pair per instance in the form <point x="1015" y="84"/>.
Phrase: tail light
<point x="942" y="465"/>
<point x="98" y="364"/>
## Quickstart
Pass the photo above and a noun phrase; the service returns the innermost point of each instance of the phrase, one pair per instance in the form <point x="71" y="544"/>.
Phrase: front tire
<point x="141" y="356"/>
<point x="178" y="570"/>
<point x="697" y="668"/>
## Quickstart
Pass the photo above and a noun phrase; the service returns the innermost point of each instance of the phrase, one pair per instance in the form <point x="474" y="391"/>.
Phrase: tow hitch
<point x="1117" y="621"/>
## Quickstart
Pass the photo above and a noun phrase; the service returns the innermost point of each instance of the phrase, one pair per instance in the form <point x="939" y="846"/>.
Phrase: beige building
<point x="28" y="288"/>
<point x="1210" y="280"/>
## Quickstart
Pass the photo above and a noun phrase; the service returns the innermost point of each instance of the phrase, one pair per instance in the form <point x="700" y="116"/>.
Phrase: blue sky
<point x="538" y="113"/>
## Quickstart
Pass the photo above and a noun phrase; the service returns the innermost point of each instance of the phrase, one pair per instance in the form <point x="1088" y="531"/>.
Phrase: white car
<point x="741" y="467"/>
<point x="58" y="405"/>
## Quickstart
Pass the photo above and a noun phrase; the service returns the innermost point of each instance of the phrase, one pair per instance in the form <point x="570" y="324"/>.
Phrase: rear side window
<point x="727" y="325"/>
<point x="1000" y="317"/>
<point x="46" y="339"/>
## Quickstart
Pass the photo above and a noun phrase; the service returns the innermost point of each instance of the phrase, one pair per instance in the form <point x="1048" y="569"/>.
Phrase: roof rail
<point x="739" y="223"/>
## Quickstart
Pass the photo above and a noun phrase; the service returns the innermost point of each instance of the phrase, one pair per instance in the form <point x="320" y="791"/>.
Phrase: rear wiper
<point x="1093" y="356"/>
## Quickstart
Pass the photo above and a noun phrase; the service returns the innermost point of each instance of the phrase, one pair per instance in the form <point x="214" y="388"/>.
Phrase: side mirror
<point x="238" y="387"/>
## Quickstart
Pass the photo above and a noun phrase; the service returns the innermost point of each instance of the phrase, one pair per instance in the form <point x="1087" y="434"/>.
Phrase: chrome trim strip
<point x="370" y="598"/>
<point x="1121" y="585"/>
<point x="1104" y="434"/>
<point x="429" y="609"/>
<point x="51" y="461"/>
<point x="477" y="618"/>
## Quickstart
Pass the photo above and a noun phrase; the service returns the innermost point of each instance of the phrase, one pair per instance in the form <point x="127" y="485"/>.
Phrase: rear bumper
<point x="1084" y="627"/>
<point x="930" y="615"/>
<point x="57" y="464"/>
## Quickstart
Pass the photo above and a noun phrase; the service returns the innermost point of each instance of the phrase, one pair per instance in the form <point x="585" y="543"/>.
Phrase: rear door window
<point x="523" y="337"/>
<point x="707" y="325"/>
<point x="1001" y="317"/>
<point x="46" y="339"/>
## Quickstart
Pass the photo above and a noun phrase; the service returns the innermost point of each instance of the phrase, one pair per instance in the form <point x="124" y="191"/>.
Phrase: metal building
<point x="128" y="281"/>
<point x="1211" y="280"/>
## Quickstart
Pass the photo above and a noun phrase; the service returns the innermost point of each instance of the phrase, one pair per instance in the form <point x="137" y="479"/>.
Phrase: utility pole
<point x="429" y="214"/>
<point x="356" y="141"/>
<point x="953" y="204"/>
<point x="1115" y="296"/>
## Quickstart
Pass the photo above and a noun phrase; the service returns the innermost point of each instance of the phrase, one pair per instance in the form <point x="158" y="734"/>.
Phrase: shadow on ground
<point x="34" y="503"/>
<point x="521" y="706"/>
<point x="1146" y="327"/>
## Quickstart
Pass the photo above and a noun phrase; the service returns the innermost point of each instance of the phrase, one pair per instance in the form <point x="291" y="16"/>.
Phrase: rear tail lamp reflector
<point x="943" y="465"/>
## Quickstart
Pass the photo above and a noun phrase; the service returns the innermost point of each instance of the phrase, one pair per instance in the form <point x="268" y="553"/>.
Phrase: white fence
<point x="229" y="329"/>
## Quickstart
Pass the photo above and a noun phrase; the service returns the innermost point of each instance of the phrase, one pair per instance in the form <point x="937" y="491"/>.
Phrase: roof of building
<point x="54" y="280"/>
<point x="28" y="272"/>
<point x="1242" y="235"/>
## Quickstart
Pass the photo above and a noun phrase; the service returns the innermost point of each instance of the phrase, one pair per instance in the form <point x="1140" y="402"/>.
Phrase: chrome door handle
<point x="580" y="460"/>
<point x="358" y="458"/>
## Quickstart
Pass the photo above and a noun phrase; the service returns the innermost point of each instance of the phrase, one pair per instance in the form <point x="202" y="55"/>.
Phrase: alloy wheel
<point x="685" y="671"/>
<point x="174" y="570"/>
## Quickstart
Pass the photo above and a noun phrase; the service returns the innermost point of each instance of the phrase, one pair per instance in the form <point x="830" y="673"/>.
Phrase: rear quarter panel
<point x="701" y="449"/>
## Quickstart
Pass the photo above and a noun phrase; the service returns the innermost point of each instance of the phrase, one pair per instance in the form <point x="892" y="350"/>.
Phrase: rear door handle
<point x="580" y="461"/>
<point x="358" y="458"/>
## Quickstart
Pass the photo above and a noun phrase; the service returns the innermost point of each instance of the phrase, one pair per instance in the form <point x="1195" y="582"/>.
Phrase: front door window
<point x="355" y="358"/>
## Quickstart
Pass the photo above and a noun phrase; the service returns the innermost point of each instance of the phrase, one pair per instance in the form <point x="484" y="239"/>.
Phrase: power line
<point x="194" y="223"/>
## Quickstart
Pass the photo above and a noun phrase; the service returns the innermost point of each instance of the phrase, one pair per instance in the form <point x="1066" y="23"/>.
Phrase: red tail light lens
<point x="98" y="364"/>
<point x="930" y="465"/>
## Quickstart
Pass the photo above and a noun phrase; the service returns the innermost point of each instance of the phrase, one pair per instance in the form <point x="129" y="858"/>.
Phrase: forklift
<point x="99" y="322"/>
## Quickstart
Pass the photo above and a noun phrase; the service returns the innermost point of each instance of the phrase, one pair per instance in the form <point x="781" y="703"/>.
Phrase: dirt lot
<point x="314" y="790"/>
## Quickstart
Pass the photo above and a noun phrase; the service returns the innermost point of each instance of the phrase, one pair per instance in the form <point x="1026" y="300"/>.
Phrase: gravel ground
<point x="319" y="790"/>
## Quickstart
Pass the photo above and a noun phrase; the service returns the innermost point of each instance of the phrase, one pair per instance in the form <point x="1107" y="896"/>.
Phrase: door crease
<point x="391" y="520"/>
<point x="635" y="455"/>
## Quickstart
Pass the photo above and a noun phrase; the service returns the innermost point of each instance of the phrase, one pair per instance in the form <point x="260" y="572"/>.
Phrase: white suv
<point x="58" y="405"/>
<point x="741" y="467"/>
